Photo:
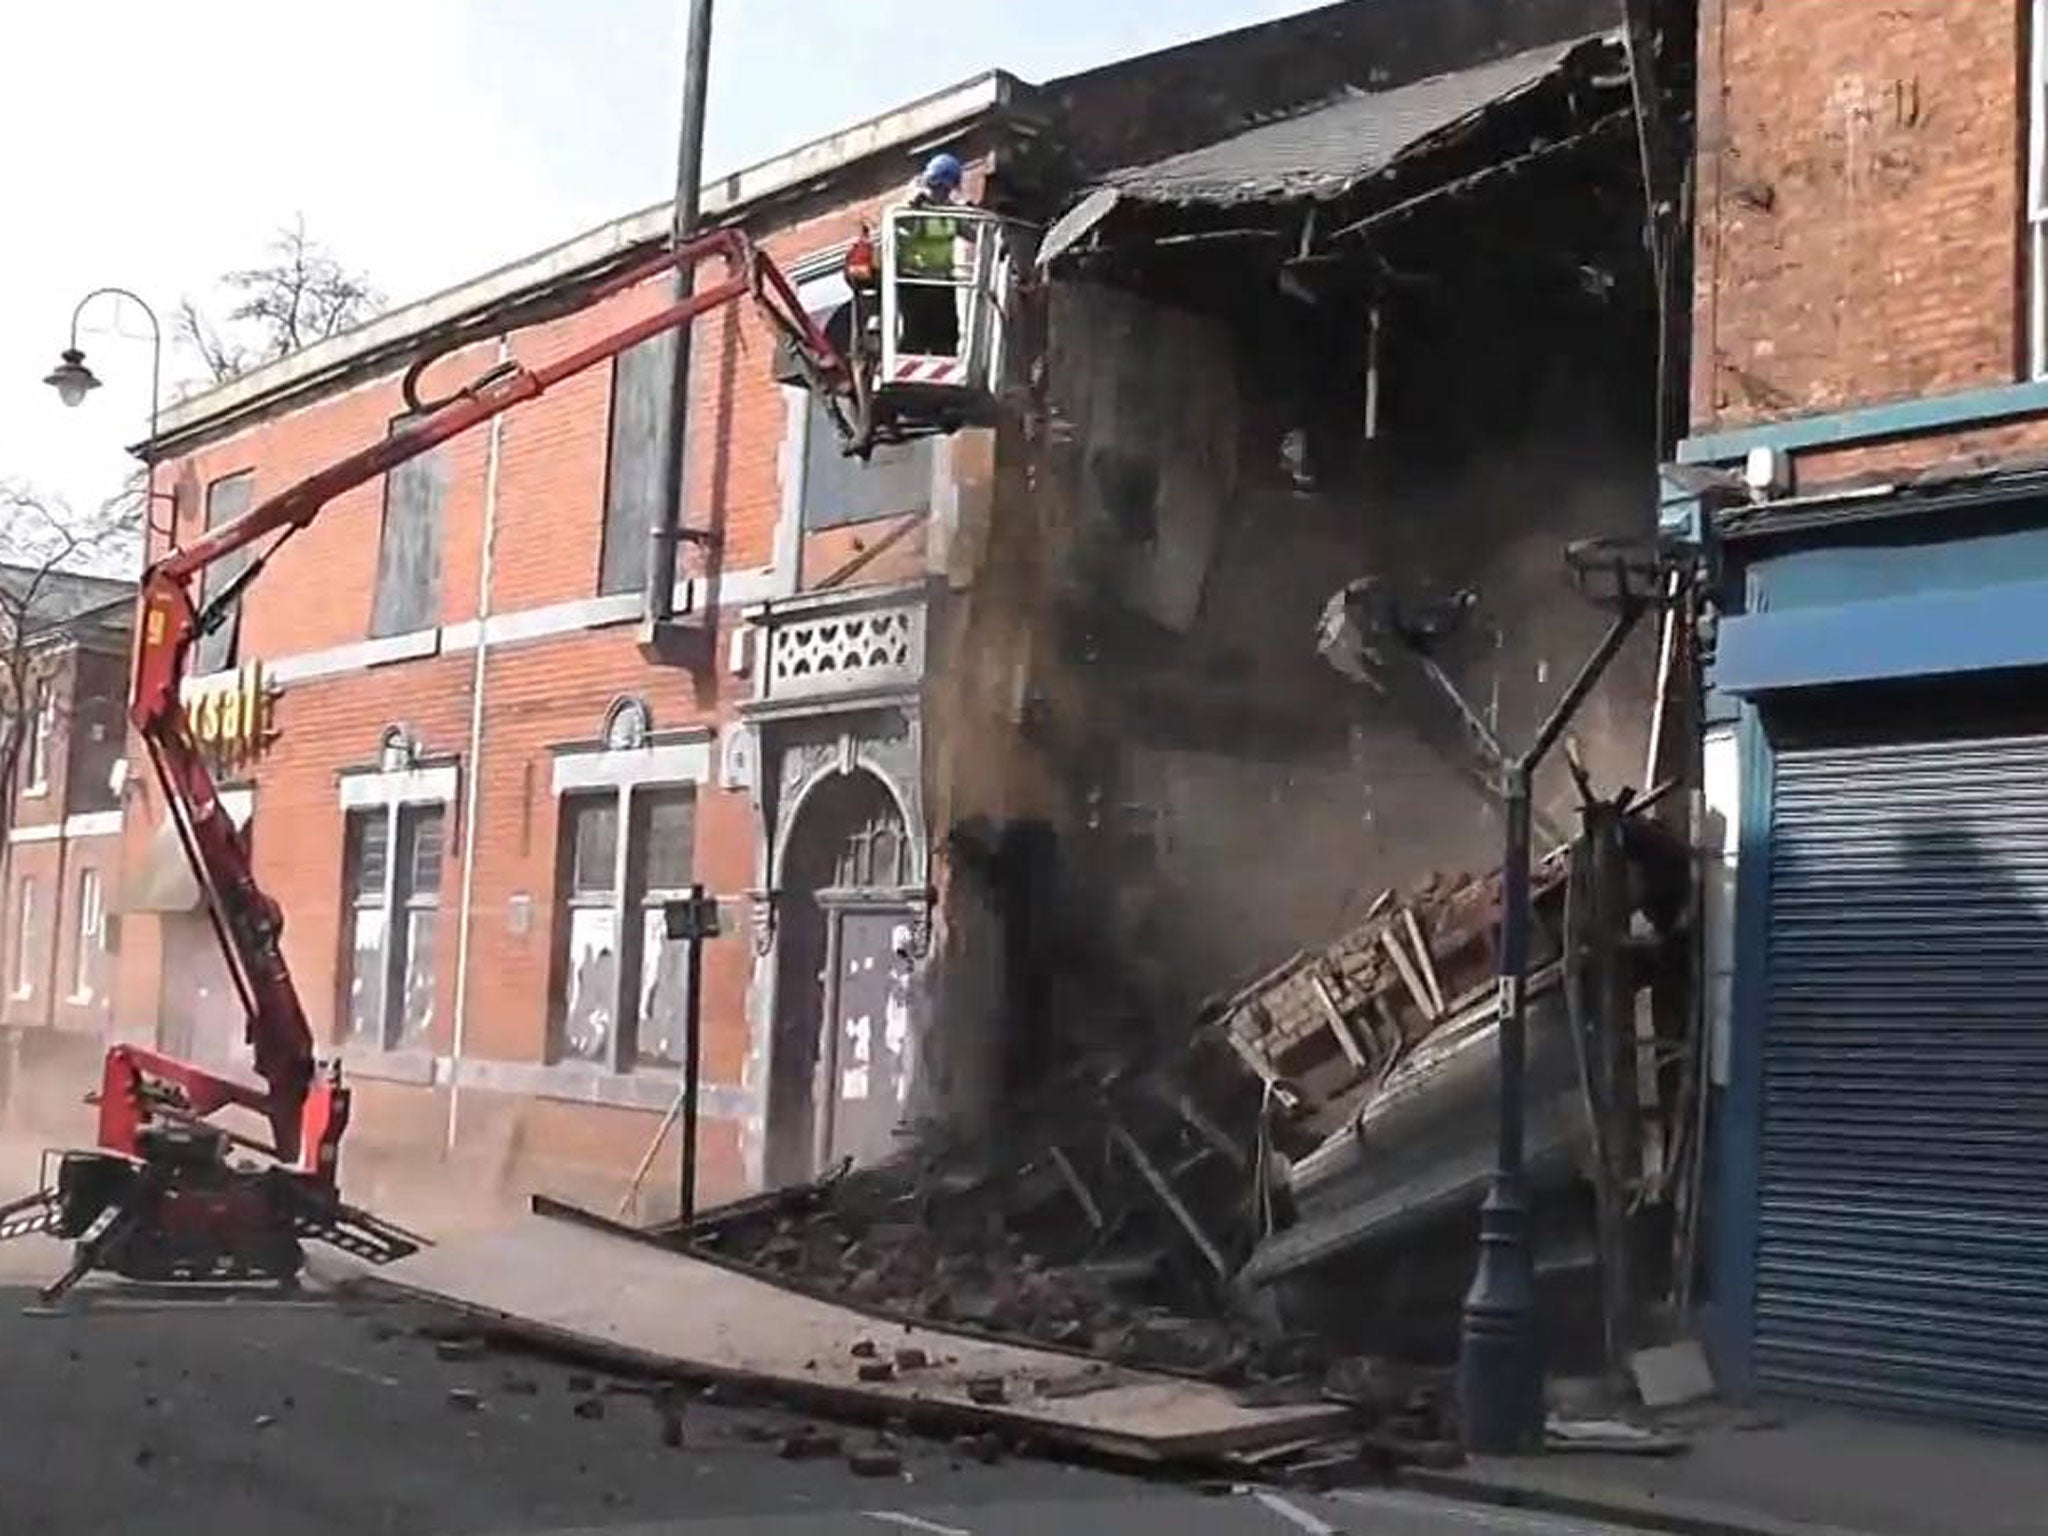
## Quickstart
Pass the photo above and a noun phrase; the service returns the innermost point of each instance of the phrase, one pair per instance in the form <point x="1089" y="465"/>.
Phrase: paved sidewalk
<point x="1784" y="1470"/>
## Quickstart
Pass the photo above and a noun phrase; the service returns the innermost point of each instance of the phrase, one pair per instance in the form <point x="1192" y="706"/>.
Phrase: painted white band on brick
<point x="355" y="657"/>
<point x="417" y="786"/>
<point x="733" y="589"/>
<point x="681" y="762"/>
<point x="88" y="824"/>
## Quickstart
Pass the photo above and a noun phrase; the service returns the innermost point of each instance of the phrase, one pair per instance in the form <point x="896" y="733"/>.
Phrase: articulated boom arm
<point x="306" y="1122"/>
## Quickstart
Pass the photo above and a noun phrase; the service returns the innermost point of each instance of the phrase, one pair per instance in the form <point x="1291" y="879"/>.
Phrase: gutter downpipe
<point x="472" y="787"/>
<point x="659" y="608"/>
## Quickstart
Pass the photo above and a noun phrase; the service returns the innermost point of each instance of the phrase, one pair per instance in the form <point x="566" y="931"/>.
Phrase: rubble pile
<point x="1140" y="1206"/>
<point x="1105" y="1219"/>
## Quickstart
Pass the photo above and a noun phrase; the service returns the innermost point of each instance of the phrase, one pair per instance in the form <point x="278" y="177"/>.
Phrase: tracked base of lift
<point x="184" y="1214"/>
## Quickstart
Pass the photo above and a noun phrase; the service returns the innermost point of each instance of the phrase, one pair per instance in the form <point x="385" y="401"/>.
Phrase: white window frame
<point x="400" y="785"/>
<point x="2037" y="192"/>
<point x="42" y="728"/>
<point x="403" y="905"/>
<point x="88" y="946"/>
<point x="630" y="760"/>
<point x="24" y="982"/>
<point x="629" y="905"/>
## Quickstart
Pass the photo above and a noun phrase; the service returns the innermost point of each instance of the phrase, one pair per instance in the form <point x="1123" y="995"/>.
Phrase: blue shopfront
<point x="1876" y="753"/>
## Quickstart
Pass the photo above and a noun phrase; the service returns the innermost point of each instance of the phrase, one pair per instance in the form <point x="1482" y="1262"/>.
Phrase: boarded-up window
<point x="42" y="727"/>
<point x="390" y="968"/>
<point x="418" y="895"/>
<point x="88" y="942"/>
<point x="363" y="967"/>
<point x="26" y="937"/>
<point x="226" y="499"/>
<point x="662" y="853"/>
<point x="839" y="490"/>
<point x="642" y="438"/>
<point x="586" y="1008"/>
<point x="409" y="552"/>
<point x="622" y="989"/>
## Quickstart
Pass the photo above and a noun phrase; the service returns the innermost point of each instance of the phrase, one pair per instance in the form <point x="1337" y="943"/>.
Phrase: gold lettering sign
<point x="232" y="718"/>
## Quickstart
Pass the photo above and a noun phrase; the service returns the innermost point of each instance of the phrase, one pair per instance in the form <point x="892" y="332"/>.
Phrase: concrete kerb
<point x="1481" y="1483"/>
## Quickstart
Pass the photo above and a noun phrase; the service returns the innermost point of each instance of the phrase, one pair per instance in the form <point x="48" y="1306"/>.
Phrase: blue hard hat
<point x="942" y="171"/>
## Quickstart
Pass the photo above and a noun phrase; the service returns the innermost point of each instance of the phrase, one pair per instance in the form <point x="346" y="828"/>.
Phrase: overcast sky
<point x="155" y="145"/>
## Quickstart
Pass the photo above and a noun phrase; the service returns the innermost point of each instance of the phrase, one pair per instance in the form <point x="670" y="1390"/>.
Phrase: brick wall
<point x="87" y="693"/>
<point x="52" y="995"/>
<point x="1860" y="205"/>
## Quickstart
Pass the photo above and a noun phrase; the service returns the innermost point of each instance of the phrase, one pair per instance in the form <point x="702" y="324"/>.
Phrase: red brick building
<point x="471" y="788"/>
<point x="67" y="635"/>
<point x="1870" y="405"/>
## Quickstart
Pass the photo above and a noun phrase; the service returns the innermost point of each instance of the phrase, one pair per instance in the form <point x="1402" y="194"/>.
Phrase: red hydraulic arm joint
<point x="307" y="1109"/>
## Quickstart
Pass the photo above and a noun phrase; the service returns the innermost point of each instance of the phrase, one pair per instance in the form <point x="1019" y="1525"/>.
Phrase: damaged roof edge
<point x="372" y="347"/>
<point x="1325" y="151"/>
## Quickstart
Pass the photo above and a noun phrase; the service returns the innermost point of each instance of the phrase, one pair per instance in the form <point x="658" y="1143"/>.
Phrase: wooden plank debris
<point x="1425" y="965"/>
<point x="1339" y="1025"/>
<point x="1071" y="1176"/>
<point x="1404" y="964"/>
<point x="1149" y="1172"/>
<point x="633" y="1303"/>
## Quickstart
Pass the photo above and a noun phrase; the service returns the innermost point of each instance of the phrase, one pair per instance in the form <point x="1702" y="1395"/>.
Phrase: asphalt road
<point x="167" y="1415"/>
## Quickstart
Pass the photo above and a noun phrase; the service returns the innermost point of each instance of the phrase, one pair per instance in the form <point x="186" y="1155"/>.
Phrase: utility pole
<point x="658" y="612"/>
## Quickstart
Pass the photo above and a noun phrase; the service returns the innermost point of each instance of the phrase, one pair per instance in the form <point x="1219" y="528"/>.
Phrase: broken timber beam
<point x="1149" y="1172"/>
<point x="1339" y="1025"/>
<point x="1424" y="960"/>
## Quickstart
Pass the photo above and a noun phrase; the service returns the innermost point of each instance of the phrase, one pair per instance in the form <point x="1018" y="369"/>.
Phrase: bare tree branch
<point x="222" y="358"/>
<point x="299" y="295"/>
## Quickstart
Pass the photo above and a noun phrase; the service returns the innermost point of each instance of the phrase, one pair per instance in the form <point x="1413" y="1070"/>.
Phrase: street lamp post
<point x="1500" y="1368"/>
<point x="73" y="380"/>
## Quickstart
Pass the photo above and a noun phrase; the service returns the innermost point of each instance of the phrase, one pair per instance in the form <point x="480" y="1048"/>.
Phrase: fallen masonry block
<point x="986" y="1448"/>
<point x="874" y="1461"/>
<point x="809" y="1444"/>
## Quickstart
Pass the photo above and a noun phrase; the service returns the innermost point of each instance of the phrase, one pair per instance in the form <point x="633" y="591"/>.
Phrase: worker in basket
<point x="927" y="265"/>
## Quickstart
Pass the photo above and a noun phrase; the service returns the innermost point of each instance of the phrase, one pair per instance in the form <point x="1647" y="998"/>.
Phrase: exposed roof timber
<point x="1612" y="120"/>
<point x="382" y="342"/>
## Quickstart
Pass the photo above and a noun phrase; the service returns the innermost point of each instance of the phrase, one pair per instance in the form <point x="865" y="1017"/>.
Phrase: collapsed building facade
<point x="1401" y="337"/>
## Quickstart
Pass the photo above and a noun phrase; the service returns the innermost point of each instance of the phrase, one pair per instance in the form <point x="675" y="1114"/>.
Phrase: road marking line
<point x="326" y="1365"/>
<point x="1294" y="1514"/>
<point x="1474" y="1517"/>
<point x="915" y="1524"/>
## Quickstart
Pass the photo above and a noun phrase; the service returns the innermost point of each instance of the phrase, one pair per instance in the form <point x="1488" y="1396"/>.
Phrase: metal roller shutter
<point x="1902" y="1255"/>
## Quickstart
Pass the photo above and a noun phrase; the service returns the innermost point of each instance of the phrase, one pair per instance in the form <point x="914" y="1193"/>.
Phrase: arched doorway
<point x="843" y="1044"/>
